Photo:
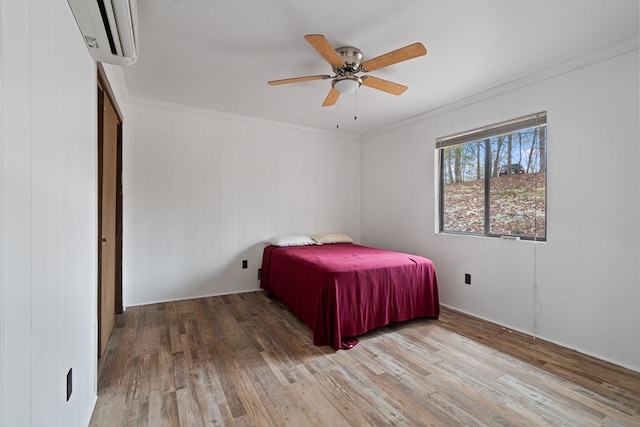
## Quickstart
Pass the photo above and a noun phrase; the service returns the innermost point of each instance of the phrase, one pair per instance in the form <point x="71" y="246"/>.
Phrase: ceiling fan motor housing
<point x="352" y="58"/>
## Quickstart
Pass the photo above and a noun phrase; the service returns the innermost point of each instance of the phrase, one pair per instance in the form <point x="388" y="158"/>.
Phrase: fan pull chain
<point x="355" y="105"/>
<point x="338" y="115"/>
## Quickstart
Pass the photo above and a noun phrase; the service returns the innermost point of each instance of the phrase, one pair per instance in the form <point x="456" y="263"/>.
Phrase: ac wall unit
<point x="109" y="28"/>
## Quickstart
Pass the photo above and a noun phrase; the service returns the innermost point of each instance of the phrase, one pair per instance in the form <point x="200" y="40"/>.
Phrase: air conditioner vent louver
<point x="109" y="29"/>
<point x="107" y="26"/>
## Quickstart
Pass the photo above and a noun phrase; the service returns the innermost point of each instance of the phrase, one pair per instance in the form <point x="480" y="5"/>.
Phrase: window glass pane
<point x="518" y="188"/>
<point x="463" y="190"/>
<point x="493" y="179"/>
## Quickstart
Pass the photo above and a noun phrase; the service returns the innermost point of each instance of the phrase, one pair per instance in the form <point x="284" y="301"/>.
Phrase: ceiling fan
<point x="347" y="63"/>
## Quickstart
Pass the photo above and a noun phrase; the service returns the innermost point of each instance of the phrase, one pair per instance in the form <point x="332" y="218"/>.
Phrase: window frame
<point x="484" y="134"/>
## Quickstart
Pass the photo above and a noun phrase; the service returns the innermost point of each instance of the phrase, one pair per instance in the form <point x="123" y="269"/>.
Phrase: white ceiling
<point x="219" y="54"/>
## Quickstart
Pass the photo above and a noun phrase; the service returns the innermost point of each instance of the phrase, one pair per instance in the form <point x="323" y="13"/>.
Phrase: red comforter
<point x="344" y="290"/>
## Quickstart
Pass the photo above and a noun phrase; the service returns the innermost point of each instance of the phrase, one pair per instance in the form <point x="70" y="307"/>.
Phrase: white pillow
<point x="328" y="238"/>
<point x="291" y="240"/>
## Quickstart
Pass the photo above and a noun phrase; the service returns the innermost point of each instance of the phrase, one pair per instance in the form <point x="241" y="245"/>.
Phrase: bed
<point x="344" y="290"/>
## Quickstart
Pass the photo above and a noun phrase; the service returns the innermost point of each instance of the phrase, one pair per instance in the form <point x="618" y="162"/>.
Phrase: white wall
<point x="48" y="216"/>
<point x="588" y="276"/>
<point x="204" y="190"/>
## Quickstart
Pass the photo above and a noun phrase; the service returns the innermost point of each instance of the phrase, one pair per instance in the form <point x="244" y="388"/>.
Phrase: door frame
<point x="104" y="89"/>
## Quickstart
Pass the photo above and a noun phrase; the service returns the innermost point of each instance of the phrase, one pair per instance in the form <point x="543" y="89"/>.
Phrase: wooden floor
<point x="245" y="360"/>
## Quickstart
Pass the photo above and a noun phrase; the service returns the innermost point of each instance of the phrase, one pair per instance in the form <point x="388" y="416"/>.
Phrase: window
<point x="493" y="179"/>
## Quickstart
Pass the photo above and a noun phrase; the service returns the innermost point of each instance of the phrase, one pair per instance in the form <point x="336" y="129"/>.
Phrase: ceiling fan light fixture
<point x="346" y="84"/>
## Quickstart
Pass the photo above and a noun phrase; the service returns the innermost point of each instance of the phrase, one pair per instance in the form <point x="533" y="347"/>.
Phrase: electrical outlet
<point x="69" y="383"/>
<point x="259" y="273"/>
<point x="467" y="278"/>
<point x="245" y="263"/>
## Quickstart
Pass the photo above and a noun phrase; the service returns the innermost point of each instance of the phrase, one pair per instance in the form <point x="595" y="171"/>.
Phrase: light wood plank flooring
<point x="245" y="360"/>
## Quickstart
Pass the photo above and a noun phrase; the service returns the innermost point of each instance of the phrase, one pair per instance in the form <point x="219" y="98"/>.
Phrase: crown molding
<point x="609" y="52"/>
<point x="233" y="116"/>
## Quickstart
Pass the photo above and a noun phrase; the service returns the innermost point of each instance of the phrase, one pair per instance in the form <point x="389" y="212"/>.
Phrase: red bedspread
<point x="344" y="290"/>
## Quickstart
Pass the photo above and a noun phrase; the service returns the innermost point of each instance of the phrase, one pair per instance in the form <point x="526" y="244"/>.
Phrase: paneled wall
<point x="48" y="216"/>
<point x="582" y="287"/>
<point x="204" y="190"/>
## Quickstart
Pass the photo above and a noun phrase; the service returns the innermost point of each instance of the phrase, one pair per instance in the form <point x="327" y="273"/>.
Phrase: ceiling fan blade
<point x="321" y="44"/>
<point x="398" y="55"/>
<point x="383" y="85"/>
<point x="331" y="98"/>
<point x="298" y="79"/>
